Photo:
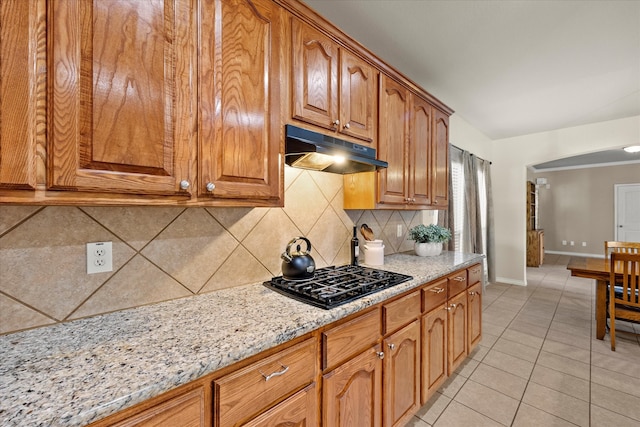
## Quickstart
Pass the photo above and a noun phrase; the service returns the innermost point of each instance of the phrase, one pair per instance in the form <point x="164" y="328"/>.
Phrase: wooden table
<point x="598" y="269"/>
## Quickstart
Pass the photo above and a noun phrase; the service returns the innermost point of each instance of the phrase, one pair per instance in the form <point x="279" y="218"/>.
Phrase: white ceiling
<point x="510" y="67"/>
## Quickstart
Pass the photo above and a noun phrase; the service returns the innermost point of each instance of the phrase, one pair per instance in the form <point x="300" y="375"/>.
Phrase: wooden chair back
<point x="624" y="290"/>
<point x="624" y="247"/>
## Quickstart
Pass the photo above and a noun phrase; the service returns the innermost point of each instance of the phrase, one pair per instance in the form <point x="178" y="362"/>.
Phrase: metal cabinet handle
<point x="336" y="123"/>
<point x="275" y="374"/>
<point x="380" y="354"/>
<point x="184" y="184"/>
<point x="436" y="290"/>
<point x="347" y="126"/>
<point x="472" y="293"/>
<point x="210" y="187"/>
<point x="459" y="279"/>
<point x="392" y="346"/>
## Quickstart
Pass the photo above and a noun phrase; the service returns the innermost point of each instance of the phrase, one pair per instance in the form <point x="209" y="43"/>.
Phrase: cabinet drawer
<point x="457" y="283"/>
<point x="434" y="295"/>
<point x="350" y="338"/>
<point x="250" y="390"/>
<point x="475" y="274"/>
<point x="400" y="312"/>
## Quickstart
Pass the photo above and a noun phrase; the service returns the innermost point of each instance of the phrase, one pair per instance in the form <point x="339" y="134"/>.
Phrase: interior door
<point x="627" y="201"/>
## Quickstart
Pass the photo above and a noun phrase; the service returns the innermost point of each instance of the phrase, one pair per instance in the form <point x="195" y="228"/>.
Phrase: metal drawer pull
<point x="436" y="290"/>
<point x="392" y="346"/>
<point x="459" y="279"/>
<point x="380" y="354"/>
<point x="472" y="293"/>
<point x="275" y="374"/>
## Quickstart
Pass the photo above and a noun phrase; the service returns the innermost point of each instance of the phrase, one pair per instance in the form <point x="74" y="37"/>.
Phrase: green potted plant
<point x="429" y="239"/>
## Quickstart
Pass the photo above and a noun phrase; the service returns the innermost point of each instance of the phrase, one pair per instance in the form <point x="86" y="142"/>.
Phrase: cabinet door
<point x="434" y="351"/>
<point x="122" y="96"/>
<point x="420" y="151"/>
<point x="315" y="76"/>
<point x="358" y="97"/>
<point x="241" y="128"/>
<point x="440" y="159"/>
<point x="300" y="410"/>
<point x="392" y="141"/>
<point x="352" y="393"/>
<point x="457" y="332"/>
<point x="474" y="301"/>
<point x="22" y="91"/>
<point x="402" y="375"/>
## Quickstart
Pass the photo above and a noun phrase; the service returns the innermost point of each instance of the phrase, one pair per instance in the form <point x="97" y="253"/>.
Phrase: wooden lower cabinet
<point x="300" y="410"/>
<point x="474" y="316"/>
<point x="401" y="390"/>
<point x="352" y="393"/>
<point x="457" y="331"/>
<point x="434" y="351"/>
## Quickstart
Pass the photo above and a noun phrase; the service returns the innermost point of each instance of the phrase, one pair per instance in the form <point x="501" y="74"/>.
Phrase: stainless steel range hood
<point x="311" y="150"/>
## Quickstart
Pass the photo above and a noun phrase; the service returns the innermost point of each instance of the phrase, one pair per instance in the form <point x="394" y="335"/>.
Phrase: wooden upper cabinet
<point x="22" y="91"/>
<point x="420" y="151"/>
<point x="122" y="96"/>
<point x="241" y="127"/>
<point x="315" y="76"/>
<point x="393" y="141"/>
<point x="358" y="97"/>
<point x="332" y="88"/>
<point x="440" y="163"/>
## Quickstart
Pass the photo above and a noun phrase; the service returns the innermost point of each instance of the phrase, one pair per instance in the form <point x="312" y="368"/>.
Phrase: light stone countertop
<point x="74" y="373"/>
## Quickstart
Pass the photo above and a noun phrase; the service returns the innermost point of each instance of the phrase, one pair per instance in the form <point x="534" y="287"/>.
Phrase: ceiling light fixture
<point x="632" y="149"/>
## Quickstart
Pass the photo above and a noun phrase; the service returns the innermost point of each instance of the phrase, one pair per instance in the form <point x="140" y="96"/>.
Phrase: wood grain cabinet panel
<point x="474" y="316"/>
<point x="122" y="96"/>
<point x="434" y="351"/>
<point x="420" y="167"/>
<point x="440" y="160"/>
<point x="22" y="92"/>
<point x="250" y="390"/>
<point x="400" y="312"/>
<point x="300" y="410"/>
<point x="352" y="393"/>
<point x="350" y="338"/>
<point x="457" y="283"/>
<point x="331" y="87"/>
<point x="393" y="142"/>
<point x="401" y="391"/>
<point x="241" y="129"/>
<point x="457" y="349"/>
<point x="187" y="410"/>
<point x="434" y="295"/>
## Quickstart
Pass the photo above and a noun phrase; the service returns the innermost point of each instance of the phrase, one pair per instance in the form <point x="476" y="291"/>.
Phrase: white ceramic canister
<point x="374" y="252"/>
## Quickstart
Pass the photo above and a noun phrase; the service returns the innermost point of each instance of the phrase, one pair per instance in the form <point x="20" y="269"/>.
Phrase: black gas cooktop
<point x="334" y="286"/>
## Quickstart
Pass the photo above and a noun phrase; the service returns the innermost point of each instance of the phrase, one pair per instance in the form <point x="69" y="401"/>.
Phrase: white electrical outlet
<point x="99" y="257"/>
<point x="564" y="242"/>
<point x="399" y="230"/>
<point x="572" y="243"/>
<point x="584" y="243"/>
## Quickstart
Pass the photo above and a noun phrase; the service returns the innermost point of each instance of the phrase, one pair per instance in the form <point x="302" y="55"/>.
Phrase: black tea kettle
<point x="298" y="265"/>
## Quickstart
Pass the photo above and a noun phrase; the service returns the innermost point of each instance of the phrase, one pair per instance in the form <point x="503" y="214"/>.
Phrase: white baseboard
<point x="575" y="254"/>
<point x="510" y="281"/>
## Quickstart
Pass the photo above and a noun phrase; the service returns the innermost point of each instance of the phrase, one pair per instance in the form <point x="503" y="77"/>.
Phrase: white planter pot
<point x="427" y="249"/>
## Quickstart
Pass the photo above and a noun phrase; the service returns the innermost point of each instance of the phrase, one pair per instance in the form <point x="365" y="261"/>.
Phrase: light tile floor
<point x="539" y="363"/>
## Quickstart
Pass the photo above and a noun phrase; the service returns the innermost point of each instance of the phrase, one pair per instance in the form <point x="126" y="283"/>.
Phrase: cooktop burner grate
<point x="334" y="286"/>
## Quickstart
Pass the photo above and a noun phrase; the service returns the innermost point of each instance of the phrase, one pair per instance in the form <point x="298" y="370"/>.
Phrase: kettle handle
<point x="295" y="239"/>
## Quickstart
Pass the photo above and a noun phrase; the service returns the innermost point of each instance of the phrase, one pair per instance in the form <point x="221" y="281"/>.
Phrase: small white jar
<point x="374" y="252"/>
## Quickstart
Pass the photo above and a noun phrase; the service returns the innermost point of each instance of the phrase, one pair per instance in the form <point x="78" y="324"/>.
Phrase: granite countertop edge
<point x="75" y="373"/>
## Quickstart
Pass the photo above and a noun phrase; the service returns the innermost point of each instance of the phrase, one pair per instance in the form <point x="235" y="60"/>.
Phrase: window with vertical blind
<point x="457" y="202"/>
<point x="470" y="214"/>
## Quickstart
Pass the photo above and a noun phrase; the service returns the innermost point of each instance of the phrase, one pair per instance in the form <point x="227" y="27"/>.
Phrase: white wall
<point x="510" y="158"/>
<point x="466" y="137"/>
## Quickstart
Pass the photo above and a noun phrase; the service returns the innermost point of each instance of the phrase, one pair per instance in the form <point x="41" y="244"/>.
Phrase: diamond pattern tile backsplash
<point x="163" y="253"/>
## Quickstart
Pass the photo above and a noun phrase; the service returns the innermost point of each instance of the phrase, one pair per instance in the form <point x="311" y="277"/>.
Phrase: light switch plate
<point x="99" y="257"/>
